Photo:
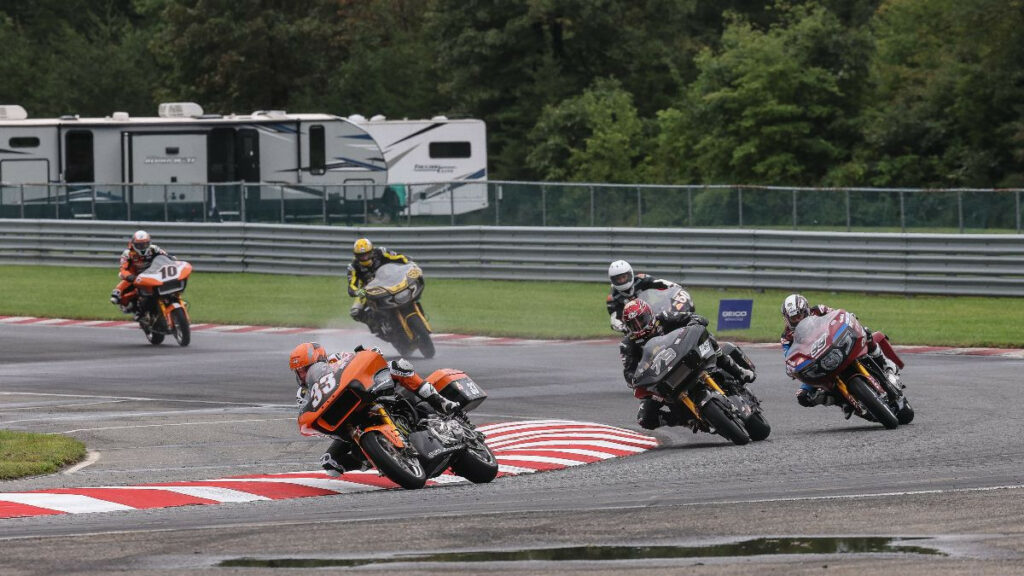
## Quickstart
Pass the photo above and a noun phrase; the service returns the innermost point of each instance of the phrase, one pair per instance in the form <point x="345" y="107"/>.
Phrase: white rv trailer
<point x="183" y="146"/>
<point x="423" y="154"/>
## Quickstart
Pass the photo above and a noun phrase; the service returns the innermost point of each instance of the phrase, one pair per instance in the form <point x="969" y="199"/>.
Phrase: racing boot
<point x="115" y="297"/>
<point x="735" y="370"/>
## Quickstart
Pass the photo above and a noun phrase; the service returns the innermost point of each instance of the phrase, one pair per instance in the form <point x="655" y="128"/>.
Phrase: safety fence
<point x="547" y="204"/>
<point x="975" y="264"/>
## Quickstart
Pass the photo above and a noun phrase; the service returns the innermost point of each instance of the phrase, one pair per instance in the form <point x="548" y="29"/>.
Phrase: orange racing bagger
<point x="357" y="400"/>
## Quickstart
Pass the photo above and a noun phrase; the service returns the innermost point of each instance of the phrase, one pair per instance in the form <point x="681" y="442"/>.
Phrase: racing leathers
<point x="132" y="263"/>
<point x="808" y="395"/>
<point x="654" y="413"/>
<point x="617" y="299"/>
<point x="343" y="454"/>
<point x="359" y="276"/>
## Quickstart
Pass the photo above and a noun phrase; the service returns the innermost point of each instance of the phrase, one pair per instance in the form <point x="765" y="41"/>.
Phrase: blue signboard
<point x="734" y="314"/>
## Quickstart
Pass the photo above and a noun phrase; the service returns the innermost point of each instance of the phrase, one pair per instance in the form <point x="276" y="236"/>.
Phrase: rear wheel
<point x="426" y="345"/>
<point x="155" y="338"/>
<point x="866" y="395"/>
<point x="905" y="415"/>
<point x="182" y="332"/>
<point x="757" y="427"/>
<point x="399" y="467"/>
<point x="477" y="464"/>
<point x="726" y="423"/>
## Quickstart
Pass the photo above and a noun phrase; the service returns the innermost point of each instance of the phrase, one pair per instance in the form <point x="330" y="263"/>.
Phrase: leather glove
<point x="361" y="293"/>
<point x="698" y="319"/>
<point x="747" y="376"/>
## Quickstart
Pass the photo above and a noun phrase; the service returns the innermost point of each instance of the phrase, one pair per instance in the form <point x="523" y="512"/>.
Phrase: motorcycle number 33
<point x="322" y="389"/>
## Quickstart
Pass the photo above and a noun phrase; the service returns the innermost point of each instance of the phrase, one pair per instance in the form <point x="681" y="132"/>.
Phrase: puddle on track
<point x="755" y="547"/>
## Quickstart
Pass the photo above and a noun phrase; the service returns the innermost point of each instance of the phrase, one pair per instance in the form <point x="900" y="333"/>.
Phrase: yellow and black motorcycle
<point x="394" y="313"/>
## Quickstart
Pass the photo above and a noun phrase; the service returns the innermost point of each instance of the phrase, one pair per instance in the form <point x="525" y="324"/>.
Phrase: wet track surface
<point x="224" y="406"/>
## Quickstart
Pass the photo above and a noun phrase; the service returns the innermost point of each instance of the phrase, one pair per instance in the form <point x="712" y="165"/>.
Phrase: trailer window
<point x="450" y="150"/>
<point x="24" y="142"/>
<point x="317" y="151"/>
<point x="78" y="157"/>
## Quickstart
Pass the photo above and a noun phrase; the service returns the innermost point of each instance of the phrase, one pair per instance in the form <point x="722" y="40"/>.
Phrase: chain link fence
<point x="501" y="203"/>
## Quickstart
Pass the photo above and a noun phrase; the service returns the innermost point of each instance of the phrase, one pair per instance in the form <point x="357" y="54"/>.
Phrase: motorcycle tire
<point x="155" y="338"/>
<point x="401" y="469"/>
<point x="865" y="394"/>
<point x="726" y="424"/>
<point x="477" y="464"/>
<point x="423" y="341"/>
<point x="757" y="427"/>
<point x="906" y="415"/>
<point x="182" y="331"/>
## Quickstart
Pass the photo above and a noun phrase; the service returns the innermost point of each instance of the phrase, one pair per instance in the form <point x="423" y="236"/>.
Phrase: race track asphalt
<point x="225" y="406"/>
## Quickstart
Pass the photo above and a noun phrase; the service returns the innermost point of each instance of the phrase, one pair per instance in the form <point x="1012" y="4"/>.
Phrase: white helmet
<point x="621" y="275"/>
<point x="794" y="309"/>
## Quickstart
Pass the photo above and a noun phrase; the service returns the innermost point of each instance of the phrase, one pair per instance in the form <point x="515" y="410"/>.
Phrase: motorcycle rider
<point x="794" y="309"/>
<point x="134" y="259"/>
<point x="366" y="259"/>
<point x="309" y="362"/>
<point x="625" y="287"/>
<point x="642" y="325"/>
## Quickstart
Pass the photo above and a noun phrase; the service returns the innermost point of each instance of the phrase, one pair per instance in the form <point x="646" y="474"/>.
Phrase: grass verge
<point x="26" y="454"/>
<point x="500" y="308"/>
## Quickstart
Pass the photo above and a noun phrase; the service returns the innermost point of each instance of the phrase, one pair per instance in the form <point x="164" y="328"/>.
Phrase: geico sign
<point x="734" y="314"/>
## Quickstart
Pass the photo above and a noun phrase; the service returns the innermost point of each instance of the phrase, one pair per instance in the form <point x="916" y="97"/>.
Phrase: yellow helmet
<point x="363" y="251"/>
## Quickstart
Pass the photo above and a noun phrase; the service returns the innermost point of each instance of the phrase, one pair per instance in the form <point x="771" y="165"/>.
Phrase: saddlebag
<point x="456" y="386"/>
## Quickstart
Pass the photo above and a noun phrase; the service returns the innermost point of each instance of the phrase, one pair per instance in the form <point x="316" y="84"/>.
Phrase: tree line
<point x="916" y="93"/>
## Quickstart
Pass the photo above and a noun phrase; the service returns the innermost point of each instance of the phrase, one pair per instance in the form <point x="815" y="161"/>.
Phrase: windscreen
<point x="673" y="299"/>
<point x="658" y="356"/>
<point x="159" y="262"/>
<point x="389" y="275"/>
<point x="808" y="332"/>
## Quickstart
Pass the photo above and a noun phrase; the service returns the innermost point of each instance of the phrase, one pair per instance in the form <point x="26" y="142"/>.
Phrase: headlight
<point x="832" y="360"/>
<point x="403" y="297"/>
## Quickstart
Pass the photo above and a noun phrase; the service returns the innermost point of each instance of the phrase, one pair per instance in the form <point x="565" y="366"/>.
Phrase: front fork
<point x="712" y="387"/>
<point x="858" y="369"/>
<point x="403" y="319"/>
<point x="166" y="309"/>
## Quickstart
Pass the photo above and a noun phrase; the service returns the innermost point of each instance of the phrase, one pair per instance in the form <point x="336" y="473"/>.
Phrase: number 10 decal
<point x="169" y="271"/>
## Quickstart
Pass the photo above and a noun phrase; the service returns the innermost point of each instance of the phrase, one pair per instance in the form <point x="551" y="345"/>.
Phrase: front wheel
<point x="182" y="332"/>
<point x="726" y="423"/>
<point x="866" y="395"/>
<point x="426" y="345"/>
<point x="399" y="467"/>
<point x="477" y="464"/>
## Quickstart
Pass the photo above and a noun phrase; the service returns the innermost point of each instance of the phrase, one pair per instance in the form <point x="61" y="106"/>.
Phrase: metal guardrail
<point x="977" y="264"/>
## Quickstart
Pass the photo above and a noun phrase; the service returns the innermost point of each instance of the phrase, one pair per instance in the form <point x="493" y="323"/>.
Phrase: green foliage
<point x="791" y="92"/>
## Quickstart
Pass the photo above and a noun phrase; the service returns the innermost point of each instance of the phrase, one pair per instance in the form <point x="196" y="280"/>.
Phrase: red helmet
<point x="303" y="356"/>
<point x="638" y="318"/>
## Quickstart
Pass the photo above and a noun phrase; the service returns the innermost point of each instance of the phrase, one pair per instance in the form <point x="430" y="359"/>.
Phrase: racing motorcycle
<point x="394" y="312"/>
<point x="676" y="369"/>
<point x="743" y="402"/>
<point x="161" y="307"/>
<point x="831" y="352"/>
<point x="358" y="399"/>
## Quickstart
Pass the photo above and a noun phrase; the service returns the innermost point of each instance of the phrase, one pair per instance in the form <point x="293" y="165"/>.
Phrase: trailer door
<point x="79" y="162"/>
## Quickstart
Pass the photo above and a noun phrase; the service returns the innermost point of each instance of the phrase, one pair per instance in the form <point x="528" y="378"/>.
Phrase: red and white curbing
<point x="461" y="339"/>
<point x="520" y="448"/>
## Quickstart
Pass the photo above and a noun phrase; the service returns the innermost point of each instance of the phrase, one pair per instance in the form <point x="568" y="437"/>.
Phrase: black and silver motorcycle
<point x="703" y="370"/>
<point x="394" y="312"/>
